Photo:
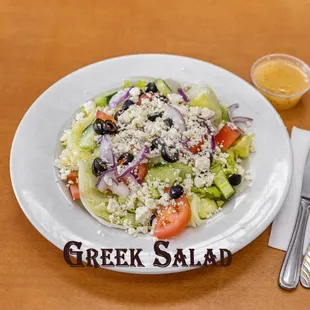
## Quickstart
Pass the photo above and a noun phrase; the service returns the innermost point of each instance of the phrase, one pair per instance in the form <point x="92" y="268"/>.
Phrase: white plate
<point x="49" y="208"/>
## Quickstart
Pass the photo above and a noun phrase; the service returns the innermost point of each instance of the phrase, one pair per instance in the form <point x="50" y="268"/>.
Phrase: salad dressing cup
<point x="282" y="79"/>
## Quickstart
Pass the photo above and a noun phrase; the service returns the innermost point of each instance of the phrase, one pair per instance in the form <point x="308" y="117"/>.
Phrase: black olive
<point x="156" y="143"/>
<point x="169" y="154"/>
<point x="235" y="179"/>
<point x="99" y="126"/>
<point x="127" y="104"/>
<point x="153" y="217"/>
<point x="98" y="166"/>
<point x="151" y="87"/>
<point x="126" y="158"/>
<point x="176" y="191"/>
<point x="169" y="122"/>
<point x="110" y="127"/>
<point x="163" y="98"/>
<point x="152" y="117"/>
<point x="117" y="114"/>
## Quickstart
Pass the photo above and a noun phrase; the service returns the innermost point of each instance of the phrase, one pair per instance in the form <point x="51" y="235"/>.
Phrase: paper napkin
<point x="283" y="225"/>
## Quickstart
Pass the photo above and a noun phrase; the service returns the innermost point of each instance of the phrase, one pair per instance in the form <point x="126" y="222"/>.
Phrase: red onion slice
<point x="242" y="119"/>
<point x="136" y="162"/>
<point x="182" y="93"/>
<point x="101" y="183"/>
<point x="106" y="152"/>
<point x="119" y="98"/>
<point x="212" y="145"/>
<point x="176" y="116"/>
<point x="230" y="110"/>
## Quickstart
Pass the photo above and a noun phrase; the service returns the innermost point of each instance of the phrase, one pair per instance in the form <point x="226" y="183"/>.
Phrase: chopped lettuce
<point x="241" y="148"/>
<point x="211" y="192"/>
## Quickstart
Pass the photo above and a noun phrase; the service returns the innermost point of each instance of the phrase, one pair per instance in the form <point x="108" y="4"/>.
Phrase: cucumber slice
<point x="206" y="207"/>
<point x="163" y="87"/>
<point x="223" y="184"/>
<point x="87" y="139"/>
<point x="103" y="100"/>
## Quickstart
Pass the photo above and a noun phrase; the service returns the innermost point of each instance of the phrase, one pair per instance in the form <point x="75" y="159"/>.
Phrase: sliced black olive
<point x="170" y="155"/>
<point x="151" y="87"/>
<point x="157" y="143"/>
<point x="110" y="127"/>
<point x="152" y="117"/>
<point x="235" y="179"/>
<point x="163" y="98"/>
<point x="176" y="191"/>
<point x="99" y="126"/>
<point x="169" y="122"/>
<point x="126" y="158"/>
<point x="127" y="104"/>
<point x="153" y="217"/>
<point x="117" y="114"/>
<point x="98" y="166"/>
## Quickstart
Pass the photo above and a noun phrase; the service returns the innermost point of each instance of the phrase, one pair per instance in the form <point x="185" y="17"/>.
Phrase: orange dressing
<point x="282" y="82"/>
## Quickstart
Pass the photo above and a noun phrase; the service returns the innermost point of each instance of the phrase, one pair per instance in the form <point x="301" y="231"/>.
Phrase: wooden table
<point x="41" y="41"/>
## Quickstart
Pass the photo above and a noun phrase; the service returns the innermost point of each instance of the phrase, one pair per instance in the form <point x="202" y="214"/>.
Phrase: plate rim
<point x="153" y="270"/>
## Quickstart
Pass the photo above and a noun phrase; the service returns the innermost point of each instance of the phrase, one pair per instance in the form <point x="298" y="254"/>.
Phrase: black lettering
<point x="229" y="258"/>
<point x="78" y="254"/>
<point x="179" y="257"/>
<point x="135" y="257"/>
<point x="105" y="257"/>
<point x="210" y="258"/>
<point x="161" y="253"/>
<point x="192" y="259"/>
<point x="120" y="256"/>
<point x="91" y="256"/>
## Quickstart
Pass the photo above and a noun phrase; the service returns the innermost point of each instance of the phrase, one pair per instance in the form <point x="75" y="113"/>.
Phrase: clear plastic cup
<point x="281" y="101"/>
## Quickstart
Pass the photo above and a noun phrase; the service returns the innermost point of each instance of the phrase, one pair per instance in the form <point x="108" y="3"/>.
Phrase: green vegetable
<point x="224" y="113"/>
<point x="241" y="147"/>
<point x="223" y="184"/>
<point x="206" y="207"/>
<point x="141" y="84"/>
<point x="104" y="99"/>
<point x="162" y="87"/>
<point x="208" y="99"/>
<point x="220" y="203"/>
<point x="200" y="209"/>
<point x="169" y="172"/>
<point x="211" y="192"/>
<point x="87" y="139"/>
<point x="77" y="130"/>
<point x="231" y="166"/>
<point x="93" y="200"/>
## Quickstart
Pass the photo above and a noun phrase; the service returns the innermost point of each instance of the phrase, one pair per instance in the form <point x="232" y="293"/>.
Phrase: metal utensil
<point x="305" y="270"/>
<point x="289" y="275"/>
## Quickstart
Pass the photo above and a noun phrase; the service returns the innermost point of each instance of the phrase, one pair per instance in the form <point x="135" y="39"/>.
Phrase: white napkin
<point x="283" y="225"/>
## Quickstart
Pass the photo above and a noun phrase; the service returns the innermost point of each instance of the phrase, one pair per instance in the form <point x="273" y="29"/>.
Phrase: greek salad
<point x="153" y="159"/>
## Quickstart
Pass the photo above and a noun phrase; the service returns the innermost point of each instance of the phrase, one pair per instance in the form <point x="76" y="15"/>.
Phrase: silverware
<point x="305" y="270"/>
<point x="290" y="271"/>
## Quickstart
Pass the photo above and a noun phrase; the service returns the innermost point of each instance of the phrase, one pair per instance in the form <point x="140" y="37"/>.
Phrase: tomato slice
<point x="141" y="171"/>
<point x="72" y="177"/>
<point x="226" y="137"/>
<point x="105" y="116"/>
<point x="143" y="96"/>
<point x="195" y="149"/>
<point x="75" y="192"/>
<point x="173" y="219"/>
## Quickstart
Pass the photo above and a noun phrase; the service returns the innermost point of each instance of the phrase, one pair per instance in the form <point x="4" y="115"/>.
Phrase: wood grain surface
<point x="41" y="41"/>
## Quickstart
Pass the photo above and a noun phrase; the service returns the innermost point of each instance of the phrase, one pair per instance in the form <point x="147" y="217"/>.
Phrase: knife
<point x="290" y="271"/>
<point x="305" y="270"/>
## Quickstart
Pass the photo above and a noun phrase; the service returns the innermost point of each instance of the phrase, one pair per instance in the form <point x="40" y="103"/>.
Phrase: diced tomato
<point x="104" y="116"/>
<point x="143" y="96"/>
<point x="75" y="192"/>
<point x="195" y="149"/>
<point x="72" y="177"/>
<point x="141" y="171"/>
<point x="173" y="219"/>
<point x="226" y="137"/>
